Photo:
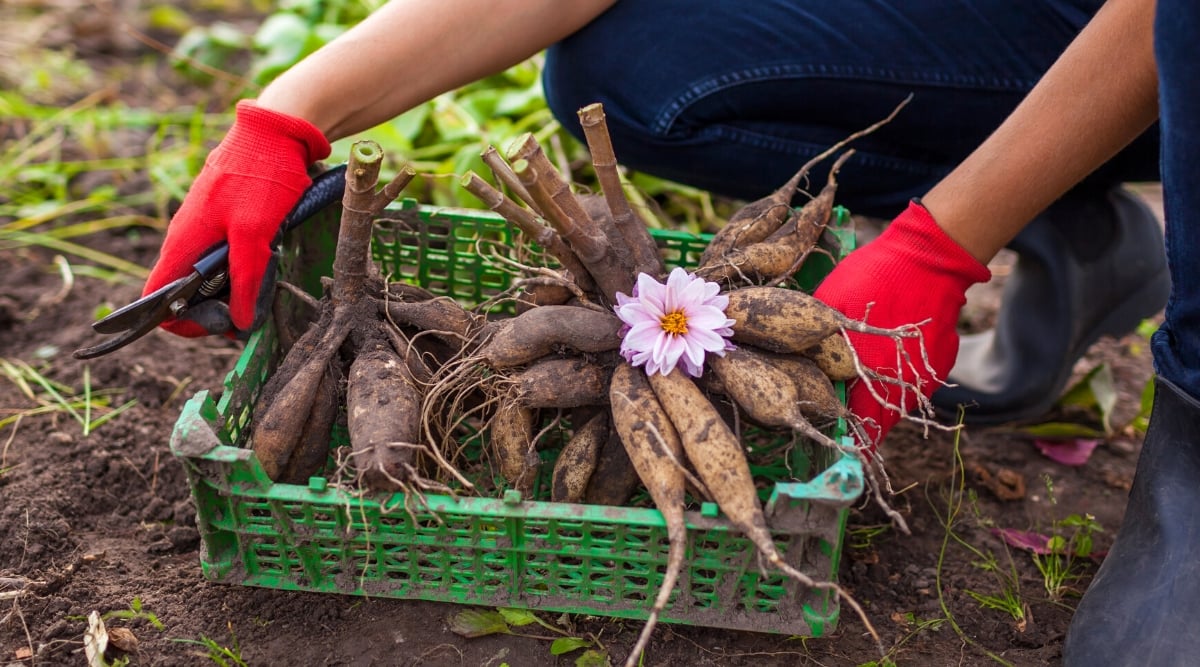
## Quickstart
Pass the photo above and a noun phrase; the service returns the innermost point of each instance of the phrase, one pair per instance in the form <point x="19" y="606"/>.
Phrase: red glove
<point x="248" y="185"/>
<point x="913" y="272"/>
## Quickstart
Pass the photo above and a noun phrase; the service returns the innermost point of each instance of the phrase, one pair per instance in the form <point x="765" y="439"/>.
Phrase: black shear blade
<point x="130" y="316"/>
<point x="139" y="318"/>
<point x="117" y="342"/>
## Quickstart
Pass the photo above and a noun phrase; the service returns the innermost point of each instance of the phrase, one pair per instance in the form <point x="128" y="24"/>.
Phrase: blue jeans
<point x="1176" y="344"/>
<point x="734" y="96"/>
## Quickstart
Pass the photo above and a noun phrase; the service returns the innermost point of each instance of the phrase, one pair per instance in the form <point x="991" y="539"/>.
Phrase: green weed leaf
<point x="211" y="47"/>
<point x="472" y="623"/>
<point x="1142" y="421"/>
<point x="1083" y="546"/>
<point x="1147" y="328"/>
<point x="517" y="617"/>
<point x="284" y="39"/>
<point x="520" y="102"/>
<point x="170" y="18"/>
<point x="1096" y="390"/>
<point x="567" y="644"/>
<point x="592" y="658"/>
<point x="1062" y="431"/>
<point x="410" y="123"/>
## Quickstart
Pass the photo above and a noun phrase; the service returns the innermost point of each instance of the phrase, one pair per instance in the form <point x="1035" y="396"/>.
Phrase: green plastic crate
<point x="506" y="551"/>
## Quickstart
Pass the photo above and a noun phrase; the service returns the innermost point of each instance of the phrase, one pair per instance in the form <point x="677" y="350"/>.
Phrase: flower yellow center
<point x="674" y="323"/>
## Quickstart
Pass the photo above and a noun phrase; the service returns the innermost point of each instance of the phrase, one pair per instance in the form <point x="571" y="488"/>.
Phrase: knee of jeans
<point x="572" y="80"/>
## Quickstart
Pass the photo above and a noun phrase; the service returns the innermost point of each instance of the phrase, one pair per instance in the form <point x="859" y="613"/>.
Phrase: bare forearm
<point x="410" y="51"/>
<point x="1099" y="96"/>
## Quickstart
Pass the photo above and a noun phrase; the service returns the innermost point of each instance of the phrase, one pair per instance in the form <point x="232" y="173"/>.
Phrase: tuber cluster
<point x="409" y="370"/>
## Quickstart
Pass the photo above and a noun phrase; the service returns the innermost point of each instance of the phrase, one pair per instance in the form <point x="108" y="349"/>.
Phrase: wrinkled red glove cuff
<point x="931" y="246"/>
<point x="918" y="245"/>
<point x="259" y="129"/>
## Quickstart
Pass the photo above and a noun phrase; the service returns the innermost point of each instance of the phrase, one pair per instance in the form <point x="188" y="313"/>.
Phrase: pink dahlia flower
<point x="679" y="322"/>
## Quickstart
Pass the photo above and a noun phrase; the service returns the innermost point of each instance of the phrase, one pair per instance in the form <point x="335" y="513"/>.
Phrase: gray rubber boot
<point x="1092" y="265"/>
<point x="1143" y="606"/>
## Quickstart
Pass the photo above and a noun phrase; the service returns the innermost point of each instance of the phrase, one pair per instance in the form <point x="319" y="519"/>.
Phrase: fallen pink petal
<point x="1023" y="539"/>
<point x="1028" y="540"/>
<point x="1074" y="452"/>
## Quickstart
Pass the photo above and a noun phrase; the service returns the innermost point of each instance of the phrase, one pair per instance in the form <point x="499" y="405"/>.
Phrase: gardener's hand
<point x="248" y="185"/>
<point x="912" y="273"/>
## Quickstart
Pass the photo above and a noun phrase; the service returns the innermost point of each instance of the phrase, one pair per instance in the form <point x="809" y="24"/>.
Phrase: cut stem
<point x="642" y="248"/>
<point x="592" y="248"/>
<point x="360" y="206"/>
<point x="354" y="233"/>
<point x="531" y="227"/>
<point x="607" y="243"/>
<point x="504" y="174"/>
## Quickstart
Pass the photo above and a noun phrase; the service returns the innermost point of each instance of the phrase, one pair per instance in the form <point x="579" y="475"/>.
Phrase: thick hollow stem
<point x="592" y="250"/>
<point x="642" y="248"/>
<point x="358" y="214"/>
<point x="559" y="192"/>
<point x="530" y="226"/>
<point x="361" y="204"/>
<point x="504" y="174"/>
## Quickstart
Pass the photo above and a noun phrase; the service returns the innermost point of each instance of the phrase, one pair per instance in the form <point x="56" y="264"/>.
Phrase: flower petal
<point x="651" y="294"/>
<point x="693" y="294"/>
<point x="694" y="370"/>
<point x="705" y="339"/>
<point x="644" y="323"/>
<point x="712" y="292"/>
<point x="643" y="337"/>
<point x="667" y="351"/>
<point x="677" y="284"/>
<point x="634" y="312"/>
<point x="705" y="317"/>
<point x="694" y="353"/>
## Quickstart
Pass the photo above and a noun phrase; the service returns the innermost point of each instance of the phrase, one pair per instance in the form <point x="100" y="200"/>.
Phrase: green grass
<point x="1070" y="545"/>
<point x="42" y="201"/>
<point x="953" y="511"/>
<point x="863" y="537"/>
<point x="215" y="652"/>
<point x="1008" y="600"/>
<point x="90" y="407"/>
<point x="135" y="612"/>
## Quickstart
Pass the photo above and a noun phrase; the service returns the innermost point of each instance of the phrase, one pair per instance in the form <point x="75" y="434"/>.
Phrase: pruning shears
<point x="208" y="279"/>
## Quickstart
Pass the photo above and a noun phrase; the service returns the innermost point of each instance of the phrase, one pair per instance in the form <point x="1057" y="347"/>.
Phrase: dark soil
<point x="94" y="522"/>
